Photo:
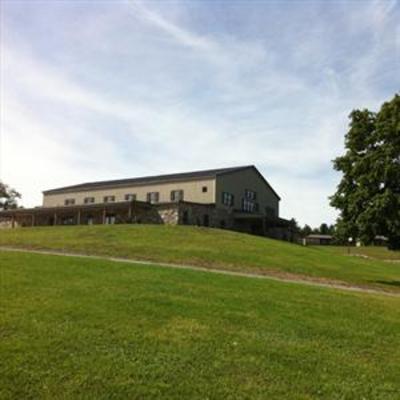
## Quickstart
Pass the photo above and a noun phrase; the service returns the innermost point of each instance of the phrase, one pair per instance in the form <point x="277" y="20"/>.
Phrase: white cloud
<point x="183" y="36"/>
<point x="184" y="101"/>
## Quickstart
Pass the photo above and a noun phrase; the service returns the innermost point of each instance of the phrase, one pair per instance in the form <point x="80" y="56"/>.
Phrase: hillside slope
<point x="74" y="328"/>
<point x="209" y="248"/>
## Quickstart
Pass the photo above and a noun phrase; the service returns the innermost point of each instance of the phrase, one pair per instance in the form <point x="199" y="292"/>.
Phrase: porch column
<point x="130" y="212"/>
<point x="264" y="226"/>
<point x="78" y="219"/>
<point x="13" y="221"/>
<point x="55" y="219"/>
<point x="33" y="219"/>
<point x="104" y="216"/>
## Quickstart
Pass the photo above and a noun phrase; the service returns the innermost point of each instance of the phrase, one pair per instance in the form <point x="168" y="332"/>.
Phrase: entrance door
<point x="110" y="219"/>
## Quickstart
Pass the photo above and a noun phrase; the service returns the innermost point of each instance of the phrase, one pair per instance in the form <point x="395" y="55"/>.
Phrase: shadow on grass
<point x="391" y="283"/>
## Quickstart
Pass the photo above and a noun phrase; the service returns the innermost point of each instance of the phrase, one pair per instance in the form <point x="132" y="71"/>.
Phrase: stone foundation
<point x="185" y="213"/>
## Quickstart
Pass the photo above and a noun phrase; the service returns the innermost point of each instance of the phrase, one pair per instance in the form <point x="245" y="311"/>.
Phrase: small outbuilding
<point x="317" y="239"/>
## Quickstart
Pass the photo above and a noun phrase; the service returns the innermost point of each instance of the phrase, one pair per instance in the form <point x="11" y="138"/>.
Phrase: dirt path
<point x="395" y="260"/>
<point x="286" y="278"/>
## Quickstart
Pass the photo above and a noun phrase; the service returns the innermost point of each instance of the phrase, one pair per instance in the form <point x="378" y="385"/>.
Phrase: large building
<point x="237" y="198"/>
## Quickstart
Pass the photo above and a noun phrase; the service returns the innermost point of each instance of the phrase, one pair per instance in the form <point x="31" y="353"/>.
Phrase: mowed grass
<point x="212" y="248"/>
<point x="81" y="328"/>
<point x="377" y="252"/>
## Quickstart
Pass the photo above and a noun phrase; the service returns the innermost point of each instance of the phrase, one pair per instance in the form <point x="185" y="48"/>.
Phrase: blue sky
<point x="94" y="90"/>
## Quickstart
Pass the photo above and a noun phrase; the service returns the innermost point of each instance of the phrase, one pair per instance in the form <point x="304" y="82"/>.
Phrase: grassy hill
<point x="212" y="248"/>
<point x="81" y="328"/>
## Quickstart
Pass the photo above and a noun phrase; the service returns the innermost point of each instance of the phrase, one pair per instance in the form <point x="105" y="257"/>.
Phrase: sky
<point x="98" y="90"/>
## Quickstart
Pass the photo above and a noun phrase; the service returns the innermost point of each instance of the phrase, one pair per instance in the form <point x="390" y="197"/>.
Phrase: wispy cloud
<point x="136" y="89"/>
<point x="182" y="36"/>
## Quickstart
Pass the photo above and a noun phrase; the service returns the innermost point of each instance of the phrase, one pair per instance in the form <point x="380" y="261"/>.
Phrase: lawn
<point x="377" y="252"/>
<point x="210" y="248"/>
<point x="80" y="328"/>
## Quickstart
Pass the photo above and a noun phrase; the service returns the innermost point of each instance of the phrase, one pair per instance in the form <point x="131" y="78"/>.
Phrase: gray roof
<point x="209" y="173"/>
<point x="319" y="236"/>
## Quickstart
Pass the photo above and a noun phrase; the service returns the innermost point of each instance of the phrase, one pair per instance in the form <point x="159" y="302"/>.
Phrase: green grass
<point x="75" y="328"/>
<point x="377" y="252"/>
<point x="211" y="248"/>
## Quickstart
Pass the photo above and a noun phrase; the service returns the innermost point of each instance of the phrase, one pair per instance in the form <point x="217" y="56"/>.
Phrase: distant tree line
<point x="8" y="197"/>
<point x="303" y="231"/>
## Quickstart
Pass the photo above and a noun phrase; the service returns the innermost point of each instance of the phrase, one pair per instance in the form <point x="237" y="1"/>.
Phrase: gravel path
<point x="269" y="275"/>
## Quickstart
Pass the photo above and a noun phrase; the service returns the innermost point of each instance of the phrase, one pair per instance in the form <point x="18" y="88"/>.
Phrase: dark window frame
<point x="228" y="199"/>
<point x="177" y="195"/>
<point x="130" y="197"/>
<point x="150" y="196"/>
<point x="249" y="206"/>
<point x="204" y="189"/>
<point x="250" y="194"/>
<point x="69" y="202"/>
<point x="109" y="199"/>
<point x="89" y="200"/>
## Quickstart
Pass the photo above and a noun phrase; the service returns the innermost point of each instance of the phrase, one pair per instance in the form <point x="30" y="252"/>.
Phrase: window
<point x="204" y="189"/>
<point x="67" y="220"/>
<point x="109" y="199"/>
<point x="110" y="219"/>
<point x="176" y="195"/>
<point x="249" y="194"/>
<point x="249" y="206"/>
<point x="69" y="202"/>
<point x="153" y="197"/>
<point x="227" y="199"/>
<point x="88" y="200"/>
<point x="130" y="197"/>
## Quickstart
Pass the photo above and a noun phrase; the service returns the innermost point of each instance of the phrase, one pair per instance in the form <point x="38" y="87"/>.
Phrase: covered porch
<point x="259" y="224"/>
<point x="106" y="213"/>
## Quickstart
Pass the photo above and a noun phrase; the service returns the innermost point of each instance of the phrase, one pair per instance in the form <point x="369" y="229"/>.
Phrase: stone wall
<point x="169" y="214"/>
<point x="185" y="213"/>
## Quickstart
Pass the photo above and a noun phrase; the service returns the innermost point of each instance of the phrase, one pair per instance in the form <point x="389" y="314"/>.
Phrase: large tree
<point x="368" y="196"/>
<point x="8" y="197"/>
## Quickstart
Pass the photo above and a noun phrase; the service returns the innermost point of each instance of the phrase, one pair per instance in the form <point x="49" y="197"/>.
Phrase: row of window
<point x="228" y="199"/>
<point x="248" y="201"/>
<point x="249" y="206"/>
<point x="151" y="197"/>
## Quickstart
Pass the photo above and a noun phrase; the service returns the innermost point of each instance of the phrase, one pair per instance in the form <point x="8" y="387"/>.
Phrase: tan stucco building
<point x="237" y="198"/>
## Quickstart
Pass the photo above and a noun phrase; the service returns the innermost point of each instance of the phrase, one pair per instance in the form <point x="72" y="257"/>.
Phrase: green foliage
<point x="324" y="229"/>
<point x="307" y="230"/>
<point x="8" y="197"/>
<point x="368" y="195"/>
<point x="74" y="328"/>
